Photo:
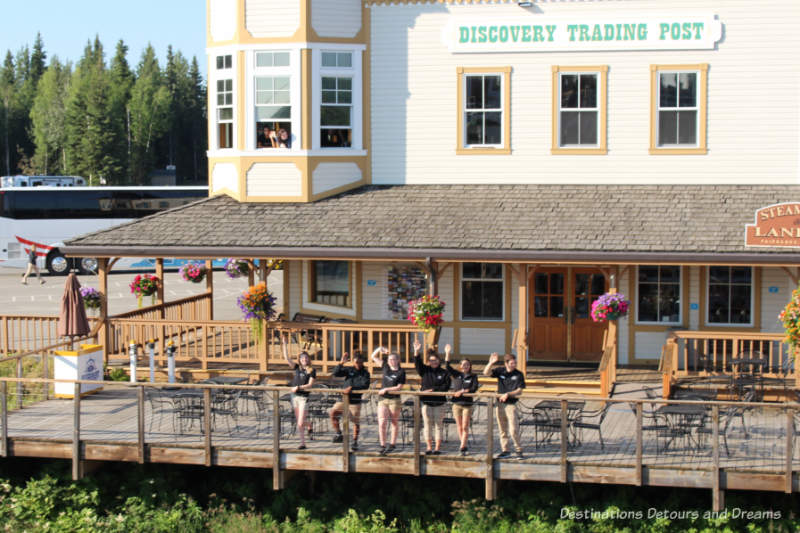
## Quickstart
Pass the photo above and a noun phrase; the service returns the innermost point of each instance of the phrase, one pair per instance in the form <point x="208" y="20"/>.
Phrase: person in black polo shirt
<point x="393" y="380"/>
<point x="434" y="379"/>
<point x="302" y="380"/>
<point x="463" y="381"/>
<point x="356" y="377"/>
<point x="510" y="383"/>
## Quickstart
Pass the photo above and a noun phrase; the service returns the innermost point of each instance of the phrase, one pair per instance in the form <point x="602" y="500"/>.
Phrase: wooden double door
<point x="561" y="327"/>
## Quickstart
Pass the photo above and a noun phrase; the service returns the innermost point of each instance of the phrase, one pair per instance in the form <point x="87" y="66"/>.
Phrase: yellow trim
<point x="305" y="104"/>
<point x="702" y="99"/>
<point x="484" y="150"/>
<point x="354" y="278"/>
<point x="755" y="311"/>
<point x="72" y="396"/>
<point x="602" y="145"/>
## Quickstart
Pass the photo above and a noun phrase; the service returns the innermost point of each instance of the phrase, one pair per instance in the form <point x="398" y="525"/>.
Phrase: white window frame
<point x="223" y="74"/>
<point x="696" y="108"/>
<point x="730" y="284"/>
<point x="503" y="112"/>
<point x="501" y="280"/>
<point x="597" y="109"/>
<point x="356" y="115"/>
<point x="680" y="296"/>
<point x="291" y="71"/>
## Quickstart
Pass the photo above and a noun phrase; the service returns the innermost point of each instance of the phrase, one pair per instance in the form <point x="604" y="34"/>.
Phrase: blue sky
<point x="66" y="26"/>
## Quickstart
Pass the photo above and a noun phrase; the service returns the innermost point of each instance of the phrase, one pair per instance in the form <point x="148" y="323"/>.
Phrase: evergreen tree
<point x="149" y="108"/>
<point x="38" y="59"/>
<point x="198" y="126"/>
<point x="7" y="89"/>
<point x="48" y="119"/>
<point x="121" y="82"/>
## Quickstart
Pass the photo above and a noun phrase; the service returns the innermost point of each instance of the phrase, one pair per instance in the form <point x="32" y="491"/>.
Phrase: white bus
<point x="49" y="215"/>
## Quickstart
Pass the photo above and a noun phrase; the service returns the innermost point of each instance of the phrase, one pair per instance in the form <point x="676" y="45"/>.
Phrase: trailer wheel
<point x="87" y="265"/>
<point x="57" y="264"/>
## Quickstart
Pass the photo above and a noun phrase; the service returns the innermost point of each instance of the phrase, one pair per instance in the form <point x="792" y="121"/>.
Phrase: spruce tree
<point x="149" y="107"/>
<point x="48" y="119"/>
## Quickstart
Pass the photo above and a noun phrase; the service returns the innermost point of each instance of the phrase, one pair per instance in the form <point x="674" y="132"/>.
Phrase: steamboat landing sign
<point x="551" y="34"/>
<point x="775" y="225"/>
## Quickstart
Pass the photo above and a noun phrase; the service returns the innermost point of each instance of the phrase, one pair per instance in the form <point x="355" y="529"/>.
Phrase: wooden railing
<point x="710" y="353"/>
<point x="190" y="308"/>
<point x="23" y="334"/>
<point x="608" y="371"/>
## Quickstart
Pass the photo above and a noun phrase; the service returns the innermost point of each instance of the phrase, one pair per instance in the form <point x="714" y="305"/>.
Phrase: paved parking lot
<point x="38" y="299"/>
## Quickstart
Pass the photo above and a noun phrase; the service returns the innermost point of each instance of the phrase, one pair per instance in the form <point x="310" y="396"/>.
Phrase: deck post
<point x="160" y="300"/>
<point x="102" y="283"/>
<point x="345" y="433"/>
<point x="4" y="419"/>
<point x="522" y="323"/>
<point x="76" y="433"/>
<point x="639" y="444"/>
<point x="789" y="449"/>
<point x="5" y="336"/>
<point x="19" y="383"/>
<point x="277" y="478"/>
<point x="717" y="495"/>
<point x="564" y="441"/>
<point x="210" y="290"/>
<point x="140" y="422"/>
<point x="207" y="424"/>
<point x="491" y="484"/>
<point x="46" y="374"/>
<point x="417" y="459"/>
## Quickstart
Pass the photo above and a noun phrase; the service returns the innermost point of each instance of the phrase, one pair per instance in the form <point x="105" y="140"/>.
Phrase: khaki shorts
<point x="392" y="404"/>
<point x="299" y="402"/>
<point x="460" y="410"/>
<point x="355" y="410"/>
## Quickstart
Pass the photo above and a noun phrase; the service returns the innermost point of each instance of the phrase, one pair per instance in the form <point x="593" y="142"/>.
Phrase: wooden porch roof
<point x="580" y="223"/>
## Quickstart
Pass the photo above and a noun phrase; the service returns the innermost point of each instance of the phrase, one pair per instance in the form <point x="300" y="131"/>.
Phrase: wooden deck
<point x="110" y="427"/>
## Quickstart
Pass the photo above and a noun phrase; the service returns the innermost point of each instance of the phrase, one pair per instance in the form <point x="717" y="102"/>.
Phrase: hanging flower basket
<point x="145" y="285"/>
<point x="609" y="306"/>
<point x="194" y="272"/>
<point x="91" y="298"/>
<point x="426" y="312"/>
<point x="790" y="318"/>
<point x="257" y="305"/>
<point x="236" y="268"/>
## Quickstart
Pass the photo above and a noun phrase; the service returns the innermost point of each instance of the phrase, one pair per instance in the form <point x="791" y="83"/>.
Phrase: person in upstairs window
<point x="389" y="406"/>
<point x="32" y="267"/>
<point x="282" y="139"/>
<point x="434" y="379"/>
<point x="510" y="383"/>
<point x="463" y="381"/>
<point x="303" y="379"/>
<point x="267" y="138"/>
<point x="356" y="377"/>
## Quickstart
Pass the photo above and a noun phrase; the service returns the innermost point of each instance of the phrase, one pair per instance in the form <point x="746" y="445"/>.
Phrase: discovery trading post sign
<point x="549" y="34"/>
<point x="776" y="226"/>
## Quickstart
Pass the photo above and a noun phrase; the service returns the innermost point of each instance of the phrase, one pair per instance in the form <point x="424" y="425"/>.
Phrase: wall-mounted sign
<point x="775" y="225"/>
<point x="533" y="33"/>
<point x="773" y="290"/>
<point x="371" y="283"/>
<point x="694" y="306"/>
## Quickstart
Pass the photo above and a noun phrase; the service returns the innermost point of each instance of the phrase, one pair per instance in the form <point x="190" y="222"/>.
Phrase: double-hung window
<point x="482" y="290"/>
<point x="483" y="123"/>
<point x="223" y="84"/>
<point x="579" y="110"/>
<point x="336" y="107"/>
<point x="659" y="294"/>
<point x="678" y="111"/>
<point x="730" y="295"/>
<point x="330" y="283"/>
<point x="273" y="99"/>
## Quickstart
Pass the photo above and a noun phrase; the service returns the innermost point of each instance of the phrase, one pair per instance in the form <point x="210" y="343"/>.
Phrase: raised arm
<point x="418" y="364"/>
<point x="339" y="370"/>
<point x="487" y="370"/>
<point x="285" y="350"/>
<point x="376" y="358"/>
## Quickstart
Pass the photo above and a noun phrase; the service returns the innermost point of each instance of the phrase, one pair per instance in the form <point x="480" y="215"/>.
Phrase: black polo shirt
<point x="508" y="381"/>
<point x="302" y="377"/>
<point x="392" y="378"/>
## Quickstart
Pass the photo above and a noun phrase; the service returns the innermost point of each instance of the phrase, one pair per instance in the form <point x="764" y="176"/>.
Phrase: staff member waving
<point x="434" y="379"/>
<point x="463" y="381"/>
<point x="510" y="383"/>
<point x="392" y="381"/>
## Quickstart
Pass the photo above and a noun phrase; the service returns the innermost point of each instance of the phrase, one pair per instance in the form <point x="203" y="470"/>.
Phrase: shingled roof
<point x="513" y="221"/>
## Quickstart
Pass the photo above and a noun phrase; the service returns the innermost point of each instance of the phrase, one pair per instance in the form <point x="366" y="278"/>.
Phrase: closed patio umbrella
<point x="72" y="321"/>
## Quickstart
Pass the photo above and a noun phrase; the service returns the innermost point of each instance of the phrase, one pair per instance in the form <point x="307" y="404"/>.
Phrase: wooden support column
<point x="160" y="289"/>
<point x="277" y="478"/>
<point x="4" y="419"/>
<point x="417" y="458"/>
<point x="613" y="334"/>
<point x="639" y="444"/>
<point x="5" y="336"/>
<point x="210" y="288"/>
<point x="717" y="494"/>
<point x="140" y="423"/>
<point x="491" y="483"/>
<point x="76" y="433"/>
<point x="102" y="282"/>
<point x="346" y="433"/>
<point x="520" y="273"/>
<point x="263" y="272"/>
<point x="207" y="425"/>
<point x="790" y="429"/>
<point x="251" y="274"/>
<point x="564" y="441"/>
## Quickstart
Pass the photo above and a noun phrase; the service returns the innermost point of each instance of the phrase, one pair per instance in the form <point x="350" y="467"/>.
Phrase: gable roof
<point x="507" y="222"/>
